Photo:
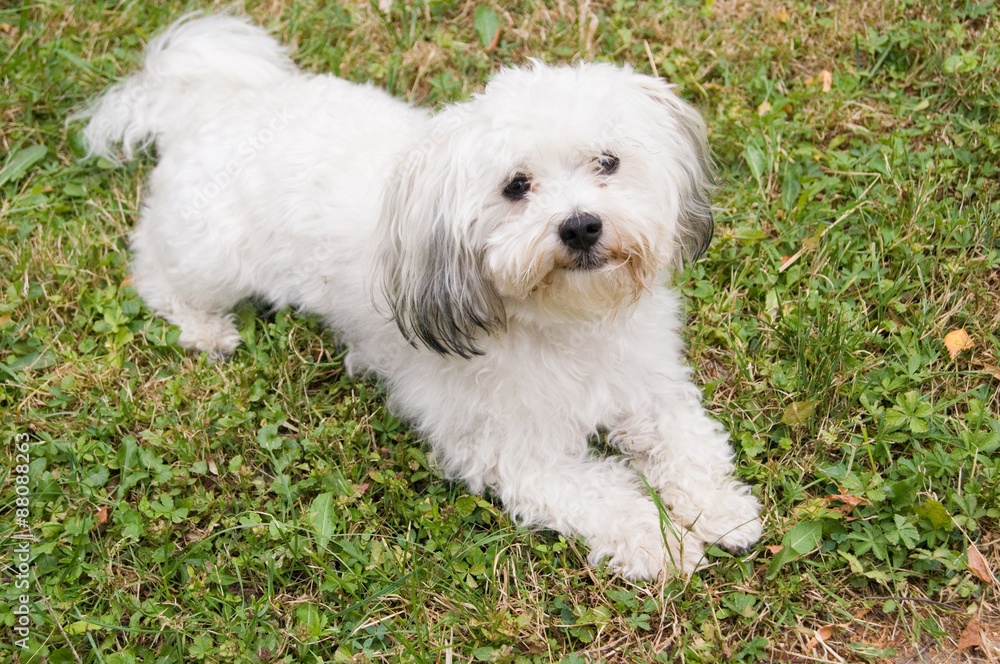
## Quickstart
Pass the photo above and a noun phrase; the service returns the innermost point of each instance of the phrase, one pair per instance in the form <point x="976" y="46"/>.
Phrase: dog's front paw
<point x="206" y="332"/>
<point x="740" y="540"/>
<point x="734" y="525"/>
<point x="647" y="555"/>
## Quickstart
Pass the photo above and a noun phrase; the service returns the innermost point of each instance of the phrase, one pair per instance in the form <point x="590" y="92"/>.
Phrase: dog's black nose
<point x="581" y="231"/>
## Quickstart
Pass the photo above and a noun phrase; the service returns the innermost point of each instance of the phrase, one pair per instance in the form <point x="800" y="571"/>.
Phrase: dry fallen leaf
<point x="971" y="636"/>
<point x="763" y="109"/>
<point x="774" y="548"/>
<point x="822" y="634"/>
<point x="957" y="340"/>
<point x="848" y="499"/>
<point x="102" y="516"/>
<point x="989" y="368"/>
<point x="826" y="78"/>
<point x="783" y="16"/>
<point x="979" y="567"/>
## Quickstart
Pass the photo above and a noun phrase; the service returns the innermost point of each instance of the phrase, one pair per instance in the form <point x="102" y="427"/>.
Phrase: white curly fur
<point x="501" y="332"/>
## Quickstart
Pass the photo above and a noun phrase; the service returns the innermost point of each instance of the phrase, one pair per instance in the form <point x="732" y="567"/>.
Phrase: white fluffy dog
<point x="499" y="264"/>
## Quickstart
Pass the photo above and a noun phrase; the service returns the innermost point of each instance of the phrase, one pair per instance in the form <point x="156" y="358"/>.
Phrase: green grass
<point x="270" y="510"/>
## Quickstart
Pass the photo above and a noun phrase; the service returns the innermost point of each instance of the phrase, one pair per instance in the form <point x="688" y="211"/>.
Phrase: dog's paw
<point x="208" y="333"/>
<point x="740" y="540"/>
<point x="647" y="556"/>
<point x="736" y="528"/>
<point x="355" y="365"/>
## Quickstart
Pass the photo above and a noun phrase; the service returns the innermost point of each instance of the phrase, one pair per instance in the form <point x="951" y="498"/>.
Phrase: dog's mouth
<point x="585" y="261"/>
<point x="592" y="285"/>
<point x="616" y="264"/>
<point x="601" y="257"/>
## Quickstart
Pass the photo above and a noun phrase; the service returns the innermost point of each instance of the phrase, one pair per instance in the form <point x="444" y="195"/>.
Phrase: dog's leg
<point x="190" y="277"/>
<point x="202" y="314"/>
<point x="603" y="501"/>
<point x="687" y="458"/>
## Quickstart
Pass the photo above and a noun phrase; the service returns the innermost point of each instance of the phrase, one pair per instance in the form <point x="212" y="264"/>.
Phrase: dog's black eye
<point x="518" y="187"/>
<point x="608" y="163"/>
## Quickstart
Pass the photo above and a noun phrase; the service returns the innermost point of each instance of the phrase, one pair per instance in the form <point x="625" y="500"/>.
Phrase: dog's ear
<point x="695" y="224"/>
<point x="430" y="262"/>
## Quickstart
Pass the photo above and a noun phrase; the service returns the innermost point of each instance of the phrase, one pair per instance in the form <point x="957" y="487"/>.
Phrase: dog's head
<point x="559" y="193"/>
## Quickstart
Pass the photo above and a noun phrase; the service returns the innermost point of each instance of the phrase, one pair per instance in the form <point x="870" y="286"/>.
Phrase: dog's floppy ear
<point x="696" y="225"/>
<point x="430" y="262"/>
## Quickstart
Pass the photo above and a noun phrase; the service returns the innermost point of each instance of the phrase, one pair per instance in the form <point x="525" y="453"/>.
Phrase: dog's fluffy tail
<point x="193" y="59"/>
